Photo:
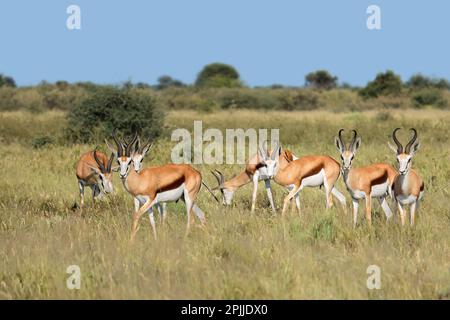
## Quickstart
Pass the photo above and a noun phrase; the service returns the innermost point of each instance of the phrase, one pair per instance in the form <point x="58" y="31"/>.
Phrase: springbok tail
<point x="210" y="191"/>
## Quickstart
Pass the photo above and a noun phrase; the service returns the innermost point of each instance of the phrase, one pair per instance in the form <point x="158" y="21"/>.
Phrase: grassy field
<point x="239" y="255"/>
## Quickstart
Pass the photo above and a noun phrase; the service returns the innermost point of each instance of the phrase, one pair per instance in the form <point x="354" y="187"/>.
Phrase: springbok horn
<point x="355" y="134"/>
<point x="100" y="164"/>
<point x="118" y="143"/>
<point x="340" y="138"/>
<point x="274" y="151"/>
<point x="131" y="144"/>
<point x="410" y="143"/>
<point x="399" y="145"/>
<point x="108" y="169"/>
<point x="218" y="178"/>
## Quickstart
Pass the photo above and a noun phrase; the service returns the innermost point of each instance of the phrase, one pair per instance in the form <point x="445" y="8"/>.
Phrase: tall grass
<point x="239" y="255"/>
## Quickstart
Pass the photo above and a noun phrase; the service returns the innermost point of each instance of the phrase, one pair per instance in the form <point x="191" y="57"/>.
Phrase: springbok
<point x="137" y="157"/>
<point x="408" y="185"/>
<point x="93" y="169"/>
<point x="153" y="185"/>
<point x="306" y="171"/>
<point x="254" y="171"/>
<point x="372" y="181"/>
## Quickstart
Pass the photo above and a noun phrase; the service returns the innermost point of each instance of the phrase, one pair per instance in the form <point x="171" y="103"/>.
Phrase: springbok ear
<point x="147" y="147"/>
<point x="338" y="144"/>
<point x="356" y="145"/>
<point x="415" y="148"/>
<point x="394" y="149"/>
<point x="95" y="169"/>
<point x="262" y="154"/>
<point x="110" y="147"/>
<point x="276" y="152"/>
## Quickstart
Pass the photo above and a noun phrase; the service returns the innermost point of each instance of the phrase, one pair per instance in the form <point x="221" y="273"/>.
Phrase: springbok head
<point x="104" y="173"/>
<point x="347" y="154"/>
<point x="404" y="155"/>
<point x="139" y="153"/>
<point x="271" y="162"/>
<point x="227" y="194"/>
<point x="123" y="152"/>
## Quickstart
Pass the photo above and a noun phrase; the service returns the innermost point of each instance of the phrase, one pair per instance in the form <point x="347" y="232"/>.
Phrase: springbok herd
<point x="155" y="186"/>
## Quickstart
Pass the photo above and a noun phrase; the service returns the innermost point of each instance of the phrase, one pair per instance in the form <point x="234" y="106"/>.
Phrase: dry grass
<point x="240" y="255"/>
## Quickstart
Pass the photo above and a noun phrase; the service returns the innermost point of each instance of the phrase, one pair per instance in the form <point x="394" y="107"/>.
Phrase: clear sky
<point x="268" y="41"/>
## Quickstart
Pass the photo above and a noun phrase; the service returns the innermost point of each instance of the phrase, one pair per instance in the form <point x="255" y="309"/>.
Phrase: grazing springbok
<point x="153" y="185"/>
<point x="408" y="185"/>
<point x="94" y="170"/>
<point x="372" y="181"/>
<point x="306" y="171"/>
<point x="254" y="171"/>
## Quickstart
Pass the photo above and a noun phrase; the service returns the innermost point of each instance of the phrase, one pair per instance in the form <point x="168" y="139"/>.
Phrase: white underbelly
<point x="406" y="200"/>
<point x="166" y="196"/>
<point x="379" y="190"/>
<point x="315" y="180"/>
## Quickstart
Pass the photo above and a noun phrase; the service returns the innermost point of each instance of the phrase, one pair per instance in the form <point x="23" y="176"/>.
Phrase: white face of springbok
<point x="139" y="153"/>
<point x="104" y="173"/>
<point x="347" y="155"/>
<point x="123" y="153"/>
<point x="270" y="162"/>
<point x="404" y="156"/>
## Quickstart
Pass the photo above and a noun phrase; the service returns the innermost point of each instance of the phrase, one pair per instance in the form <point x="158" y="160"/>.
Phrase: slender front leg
<point x="355" y="211"/>
<point x="255" y="189"/>
<point x="288" y="198"/>
<point x="152" y="221"/>
<point x="402" y="213"/>
<point x="329" y="200"/>
<point x="137" y="203"/>
<point x="269" y="195"/>
<point x="369" y="209"/>
<point x="412" y="212"/>
<point x="81" y="188"/>
<point x="386" y="208"/>
<point x="162" y="209"/>
<point x="137" y="215"/>
<point x="297" y="203"/>
<point x="341" y="198"/>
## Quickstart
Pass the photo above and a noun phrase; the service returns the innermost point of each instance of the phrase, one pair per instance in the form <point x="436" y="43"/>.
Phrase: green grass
<point x="240" y="255"/>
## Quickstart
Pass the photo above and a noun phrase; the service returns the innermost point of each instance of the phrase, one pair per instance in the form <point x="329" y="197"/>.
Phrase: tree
<point x="218" y="75"/>
<point x="387" y="83"/>
<point x="321" y="79"/>
<point x="165" y="82"/>
<point x="107" y="108"/>
<point x="419" y="81"/>
<point x="6" y="81"/>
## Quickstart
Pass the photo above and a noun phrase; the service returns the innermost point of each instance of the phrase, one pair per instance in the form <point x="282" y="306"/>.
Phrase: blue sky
<point x="268" y="41"/>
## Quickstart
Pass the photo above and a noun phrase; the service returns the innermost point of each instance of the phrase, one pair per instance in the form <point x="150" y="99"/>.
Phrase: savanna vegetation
<point x="239" y="254"/>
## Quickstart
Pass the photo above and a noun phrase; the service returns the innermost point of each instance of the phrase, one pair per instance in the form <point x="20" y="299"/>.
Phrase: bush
<point x="429" y="97"/>
<point x="321" y="79"/>
<point x="419" y="81"/>
<point x="42" y="141"/>
<point x="385" y="84"/>
<point x="218" y="75"/>
<point x="128" y="110"/>
<point x="6" y="81"/>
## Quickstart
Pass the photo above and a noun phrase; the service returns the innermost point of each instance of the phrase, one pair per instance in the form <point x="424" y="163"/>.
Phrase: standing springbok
<point x="93" y="169"/>
<point x="306" y="171"/>
<point x="254" y="171"/>
<point x="372" y="181"/>
<point x="408" y="185"/>
<point x="153" y="185"/>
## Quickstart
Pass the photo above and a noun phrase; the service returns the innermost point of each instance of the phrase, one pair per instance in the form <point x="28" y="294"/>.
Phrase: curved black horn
<point x="399" y="145"/>
<point x="355" y="134"/>
<point x="340" y="138"/>
<point x="118" y="143"/>
<point x="131" y="144"/>
<point x="100" y="164"/>
<point x="413" y="139"/>
<point x="111" y="159"/>
<point x="219" y="177"/>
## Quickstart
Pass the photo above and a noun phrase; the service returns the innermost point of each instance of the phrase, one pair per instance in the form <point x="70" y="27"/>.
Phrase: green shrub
<point x="429" y="97"/>
<point x="42" y="141"/>
<point x="385" y="84"/>
<point x="218" y="75"/>
<point x="128" y="110"/>
<point x="6" y="81"/>
<point x="321" y="79"/>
